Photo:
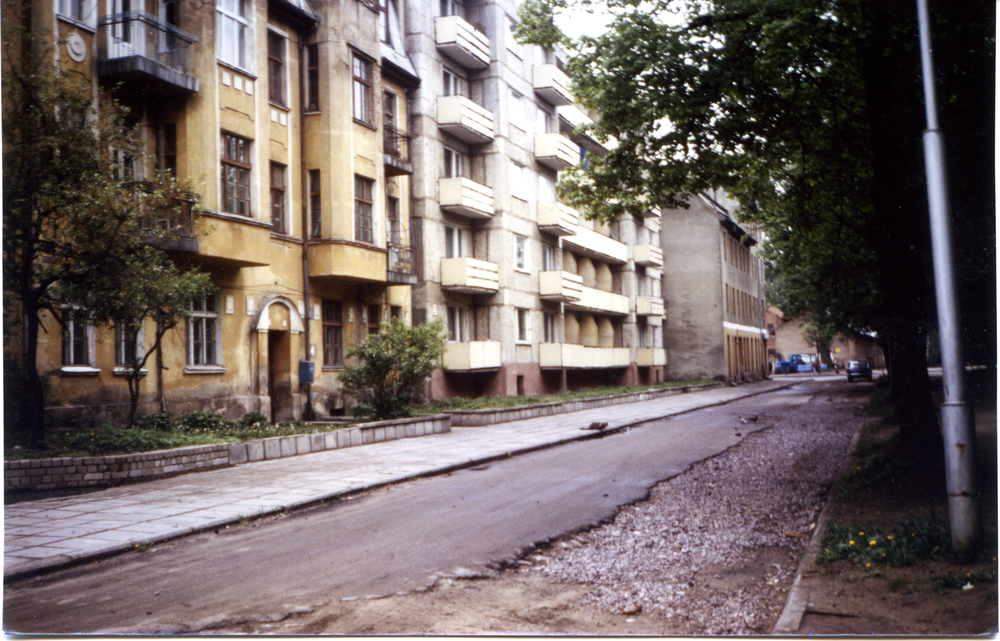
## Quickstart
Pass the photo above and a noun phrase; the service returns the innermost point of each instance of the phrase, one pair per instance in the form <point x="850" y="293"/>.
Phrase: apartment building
<point x="288" y="119"/>
<point x="713" y="283"/>
<point x="535" y="298"/>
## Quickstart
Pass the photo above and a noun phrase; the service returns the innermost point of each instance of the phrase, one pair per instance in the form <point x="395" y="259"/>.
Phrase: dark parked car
<point x="784" y="367"/>
<point x="858" y="369"/>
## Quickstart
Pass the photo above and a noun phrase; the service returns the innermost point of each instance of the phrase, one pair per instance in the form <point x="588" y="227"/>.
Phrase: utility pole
<point x="956" y="415"/>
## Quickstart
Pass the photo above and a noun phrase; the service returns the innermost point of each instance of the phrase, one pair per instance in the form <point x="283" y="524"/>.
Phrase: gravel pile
<point x="715" y="549"/>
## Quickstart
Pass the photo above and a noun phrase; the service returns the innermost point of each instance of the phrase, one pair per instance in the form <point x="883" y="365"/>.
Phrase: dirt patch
<point x="713" y="551"/>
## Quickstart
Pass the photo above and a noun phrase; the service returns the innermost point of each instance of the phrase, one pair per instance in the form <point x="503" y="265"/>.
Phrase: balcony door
<point x="125" y="38"/>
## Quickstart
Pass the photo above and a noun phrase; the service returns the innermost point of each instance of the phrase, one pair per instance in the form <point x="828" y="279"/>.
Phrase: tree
<point x="809" y="113"/>
<point x="394" y="364"/>
<point x="75" y="225"/>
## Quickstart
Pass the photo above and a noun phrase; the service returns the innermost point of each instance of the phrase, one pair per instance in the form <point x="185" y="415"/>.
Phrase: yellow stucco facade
<point x="289" y="122"/>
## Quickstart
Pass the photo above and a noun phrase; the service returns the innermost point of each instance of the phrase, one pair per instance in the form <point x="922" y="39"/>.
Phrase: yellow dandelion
<point x="850" y="542"/>
<point x="868" y="565"/>
<point x="890" y="537"/>
<point x="861" y="533"/>
<point x="883" y="554"/>
<point x="872" y="542"/>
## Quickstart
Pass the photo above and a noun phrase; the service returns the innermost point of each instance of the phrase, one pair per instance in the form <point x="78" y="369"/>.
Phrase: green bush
<point x="253" y="419"/>
<point x="111" y="438"/>
<point x="164" y="422"/>
<point x="393" y="365"/>
<point x="204" y="423"/>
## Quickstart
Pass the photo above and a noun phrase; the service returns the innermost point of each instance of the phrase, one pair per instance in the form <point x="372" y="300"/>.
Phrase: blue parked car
<point x="784" y="367"/>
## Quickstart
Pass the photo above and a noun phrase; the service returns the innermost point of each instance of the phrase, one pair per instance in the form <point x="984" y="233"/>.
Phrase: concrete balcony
<point x="651" y="357"/>
<point x="464" y="119"/>
<point x="469" y="276"/>
<point x="580" y="357"/>
<point x="466" y="198"/>
<point x="475" y="355"/>
<point x="229" y="239"/>
<point x="648" y="306"/>
<point x="560" y="286"/>
<point x="647" y="255"/>
<point x="598" y="300"/>
<point x="462" y="42"/>
<point x="557" y="219"/>
<point x="137" y="47"/>
<point x="556" y="151"/>
<point x="551" y="84"/>
<point x="588" y="242"/>
<point x="346" y="261"/>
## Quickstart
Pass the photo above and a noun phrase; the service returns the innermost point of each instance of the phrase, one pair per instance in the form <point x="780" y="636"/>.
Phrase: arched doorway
<point x="278" y="327"/>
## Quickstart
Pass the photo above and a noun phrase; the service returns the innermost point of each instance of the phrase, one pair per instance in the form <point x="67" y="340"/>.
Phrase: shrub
<point x="164" y="422"/>
<point x="393" y="365"/>
<point x="911" y="541"/>
<point x="204" y="423"/>
<point x="253" y="419"/>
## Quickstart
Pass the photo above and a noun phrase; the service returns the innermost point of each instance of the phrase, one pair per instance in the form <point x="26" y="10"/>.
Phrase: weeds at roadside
<point x="953" y="580"/>
<point x="911" y="541"/>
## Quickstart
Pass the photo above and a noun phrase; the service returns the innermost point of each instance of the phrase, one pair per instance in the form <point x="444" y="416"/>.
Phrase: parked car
<point x="858" y="369"/>
<point x="784" y="367"/>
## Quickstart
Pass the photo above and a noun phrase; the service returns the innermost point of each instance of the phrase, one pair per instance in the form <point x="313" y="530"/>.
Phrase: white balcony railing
<point x="647" y="255"/>
<point x="648" y="306"/>
<point x="464" y="119"/>
<point x="462" y="42"/>
<point x="472" y="355"/>
<point x="465" y="197"/>
<point x="560" y="286"/>
<point x="597" y="300"/>
<point x="557" y="219"/>
<point x="469" y="276"/>
<point x="595" y="245"/>
<point x="551" y="84"/>
<point x="651" y="356"/>
<point x="581" y="357"/>
<point x="556" y="151"/>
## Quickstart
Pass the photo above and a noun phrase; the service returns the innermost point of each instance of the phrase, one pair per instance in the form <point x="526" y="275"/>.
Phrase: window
<point x="278" y="198"/>
<point x="394" y="232"/>
<point x="234" y="24"/>
<point x="387" y="20"/>
<point x="315" y="205"/>
<point x="79" y="10"/>
<point x="127" y="345"/>
<point x="642" y="330"/>
<point x="454" y="163"/>
<point x="456" y="324"/>
<point x="544" y="122"/>
<point x="520" y="252"/>
<point x="166" y="149"/>
<point x="450" y="8"/>
<point x="203" y="332"/>
<point x="546" y="189"/>
<point x="276" y="68"/>
<point x="235" y="197"/>
<point x="312" y="77"/>
<point x="454" y="242"/>
<point x="549" y="262"/>
<point x="518" y="181"/>
<point x="362" y="88"/>
<point x="396" y="312"/>
<point x="333" y="332"/>
<point x="363" y="209"/>
<point x="549" y="326"/>
<point x="522" y="325"/>
<point x="516" y="108"/>
<point x="451" y="84"/>
<point x="77" y="338"/>
<point x="374" y="319"/>
<point x="513" y="45"/>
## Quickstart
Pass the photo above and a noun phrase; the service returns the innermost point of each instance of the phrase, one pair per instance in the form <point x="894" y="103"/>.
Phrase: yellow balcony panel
<point x="466" y="198"/>
<point x="337" y="260"/>
<point x="551" y="84"/>
<point x="649" y="306"/>
<point x="475" y="355"/>
<point x="581" y="357"/>
<point x="462" y="42"/>
<point x="231" y="239"/>
<point x="557" y="219"/>
<point x="651" y="356"/>
<point x="469" y="276"/>
<point x="556" y="151"/>
<point x="464" y="119"/>
<point x="560" y="286"/>
<point x="592" y="244"/>
<point x="597" y="300"/>
<point x="647" y="255"/>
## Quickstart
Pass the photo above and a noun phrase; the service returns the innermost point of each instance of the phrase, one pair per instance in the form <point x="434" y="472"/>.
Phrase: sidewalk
<point x="57" y="532"/>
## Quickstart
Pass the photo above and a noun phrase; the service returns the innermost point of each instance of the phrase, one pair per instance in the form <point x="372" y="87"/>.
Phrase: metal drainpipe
<point x="308" y="413"/>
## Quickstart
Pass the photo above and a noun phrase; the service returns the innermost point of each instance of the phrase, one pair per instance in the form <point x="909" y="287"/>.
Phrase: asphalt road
<point x="393" y="540"/>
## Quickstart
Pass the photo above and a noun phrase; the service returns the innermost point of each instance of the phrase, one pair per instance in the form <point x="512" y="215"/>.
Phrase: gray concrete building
<point x="535" y="298"/>
<point x="713" y="285"/>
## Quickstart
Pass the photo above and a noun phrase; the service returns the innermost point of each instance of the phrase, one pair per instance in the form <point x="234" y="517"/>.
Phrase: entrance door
<point x="279" y="375"/>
